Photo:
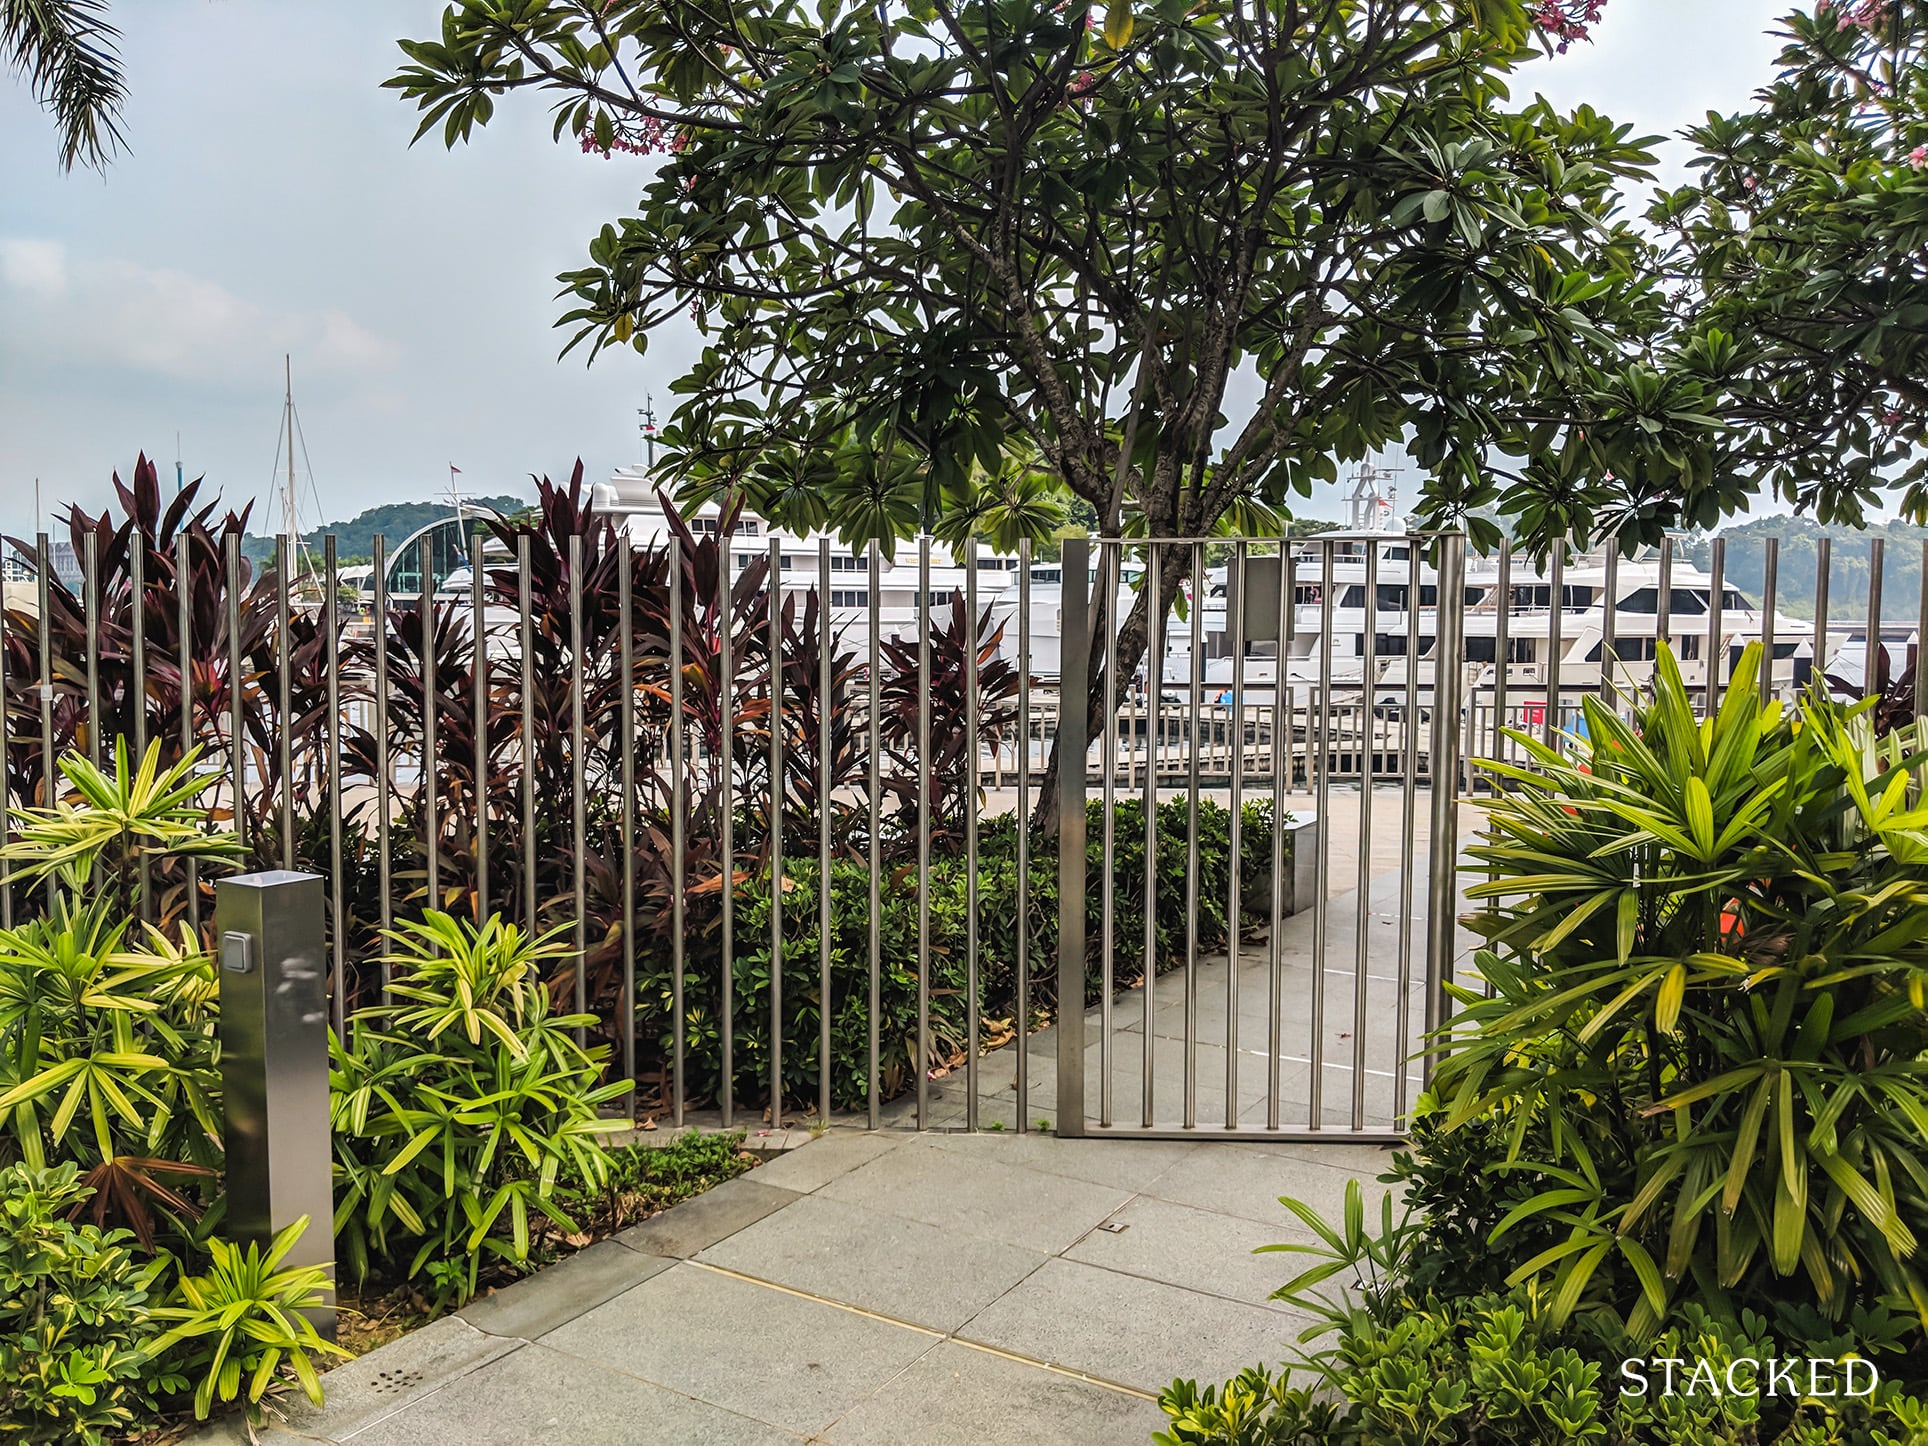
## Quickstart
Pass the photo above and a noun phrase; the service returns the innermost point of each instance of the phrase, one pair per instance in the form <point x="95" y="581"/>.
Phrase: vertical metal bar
<point x="1281" y="770"/>
<point x="237" y="733"/>
<point x="1502" y="659"/>
<point x="1875" y="654"/>
<point x="874" y="722"/>
<point x="526" y="627"/>
<point x="1154" y="718"/>
<point x="1823" y="548"/>
<point x="6" y="781"/>
<point x="1409" y="792"/>
<point x="90" y="612"/>
<point x="1319" y="738"/>
<point x="1110" y="569"/>
<point x="826" y="641"/>
<point x="426" y="795"/>
<point x="1191" y="832"/>
<point x="774" y="813"/>
<point x="479" y="676"/>
<point x="184" y="621"/>
<point x="1555" y="620"/>
<point x="1235" y="625"/>
<point x="1609" y="648"/>
<point x="1024" y="834"/>
<point x="1362" y="913"/>
<point x="383" y="768"/>
<point x="284" y="695"/>
<point x="1770" y="577"/>
<point x="923" y="830"/>
<point x="1664" y="603"/>
<point x="578" y="781"/>
<point x="331" y="665"/>
<point x="1716" y="627"/>
<point x="136" y="695"/>
<point x="678" y="826"/>
<point x="1073" y="748"/>
<point x="972" y="1024"/>
<point x="1443" y="835"/>
<point x="136" y="655"/>
<point x="726" y="811"/>
<point x="1921" y="639"/>
<point x="49" y="765"/>
<point x="626" y="720"/>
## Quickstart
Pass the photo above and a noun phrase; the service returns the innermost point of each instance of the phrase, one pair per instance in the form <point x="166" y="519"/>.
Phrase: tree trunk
<point x="1103" y="696"/>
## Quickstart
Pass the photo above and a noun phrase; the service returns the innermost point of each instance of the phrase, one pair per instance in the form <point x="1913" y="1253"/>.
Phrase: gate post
<point x="1442" y="854"/>
<point x="1074" y="712"/>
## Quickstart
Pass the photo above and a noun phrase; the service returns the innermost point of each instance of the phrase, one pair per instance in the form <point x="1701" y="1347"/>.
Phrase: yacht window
<point x="1305" y="596"/>
<point x="853" y="563"/>
<point x="1681" y="602"/>
<point x="850" y="597"/>
<point x="1482" y="650"/>
<point x="1390" y="645"/>
<point x="1047" y="574"/>
<point x="995" y="564"/>
<point x="1353" y="597"/>
<point x="1392" y="595"/>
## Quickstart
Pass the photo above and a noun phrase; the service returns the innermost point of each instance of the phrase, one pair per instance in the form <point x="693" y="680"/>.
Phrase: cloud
<point x="167" y="323"/>
<point x="37" y="267"/>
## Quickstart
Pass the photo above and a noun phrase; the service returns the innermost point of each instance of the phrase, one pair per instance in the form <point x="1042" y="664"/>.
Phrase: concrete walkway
<point x="917" y="1290"/>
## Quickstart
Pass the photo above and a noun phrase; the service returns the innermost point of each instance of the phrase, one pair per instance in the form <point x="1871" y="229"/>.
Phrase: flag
<point x="454" y="468"/>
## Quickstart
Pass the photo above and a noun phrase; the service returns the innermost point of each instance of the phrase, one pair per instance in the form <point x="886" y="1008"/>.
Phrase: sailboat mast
<point x="288" y="409"/>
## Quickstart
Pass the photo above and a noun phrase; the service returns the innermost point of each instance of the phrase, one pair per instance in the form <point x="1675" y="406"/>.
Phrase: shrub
<point x="107" y="1024"/>
<point x="456" y="1109"/>
<point x="1704" y="1046"/>
<point x="1504" y="1368"/>
<point x="239" y="1323"/>
<point x="73" y="1312"/>
<point x="997" y="915"/>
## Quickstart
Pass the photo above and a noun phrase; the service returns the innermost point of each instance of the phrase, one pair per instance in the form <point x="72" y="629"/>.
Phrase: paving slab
<point x="361" y="1392"/>
<point x="959" y="1396"/>
<point x="1236" y="1179"/>
<point x="815" y="1164"/>
<point x="780" y="1358"/>
<point x="1120" y="1164"/>
<point x="1196" y="1249"/>
<point x="716" y="1214"/>
<point x="545" y="1300"/>
<point x="900" y="1268"/>
<point x="1131" y="1331"/>
<point x="986" y="1198"/>
<point x="538" y="1394"/>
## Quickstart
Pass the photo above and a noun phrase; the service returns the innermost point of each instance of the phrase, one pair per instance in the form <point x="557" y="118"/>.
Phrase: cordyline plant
<point x="1709" y="1024"/>
<point x="930" y="246"/>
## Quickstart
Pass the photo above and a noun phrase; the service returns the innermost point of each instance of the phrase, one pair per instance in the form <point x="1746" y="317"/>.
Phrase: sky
<point x="270" y="205"/>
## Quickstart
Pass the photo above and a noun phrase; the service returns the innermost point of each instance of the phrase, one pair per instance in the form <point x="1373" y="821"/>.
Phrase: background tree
<point x="1801" y="265"/>
<point x="1192" y="257"/>
<point x="66" y="51"/>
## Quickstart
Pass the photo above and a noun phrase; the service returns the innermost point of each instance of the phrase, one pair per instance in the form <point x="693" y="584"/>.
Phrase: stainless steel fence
<point x="656" y="751"/>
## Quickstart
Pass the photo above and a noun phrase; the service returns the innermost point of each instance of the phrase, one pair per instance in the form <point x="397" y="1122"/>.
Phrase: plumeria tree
<point x="1800" y="260"/>
<point x="1184" y="257"/>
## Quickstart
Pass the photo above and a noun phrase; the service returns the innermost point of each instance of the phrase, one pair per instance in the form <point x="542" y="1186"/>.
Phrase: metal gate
<point x="1300" y="1018"/>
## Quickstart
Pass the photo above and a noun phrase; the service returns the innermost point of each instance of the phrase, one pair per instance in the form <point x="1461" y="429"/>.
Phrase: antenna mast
<point x="647" y="411"/>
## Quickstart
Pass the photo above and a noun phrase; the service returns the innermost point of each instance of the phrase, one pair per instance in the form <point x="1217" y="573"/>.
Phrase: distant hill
<point x="1850" y="552"/>
<point x="393" y="521"/>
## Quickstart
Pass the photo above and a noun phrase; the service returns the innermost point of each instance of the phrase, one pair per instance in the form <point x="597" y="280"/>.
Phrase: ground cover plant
<point x="1691" y="1117"/>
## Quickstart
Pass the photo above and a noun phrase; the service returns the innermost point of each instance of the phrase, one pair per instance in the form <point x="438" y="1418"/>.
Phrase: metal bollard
<point x="274" y="1065"/>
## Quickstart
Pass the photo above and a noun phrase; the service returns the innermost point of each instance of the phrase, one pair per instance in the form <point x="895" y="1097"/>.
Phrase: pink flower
<point x="1918" y="158"/>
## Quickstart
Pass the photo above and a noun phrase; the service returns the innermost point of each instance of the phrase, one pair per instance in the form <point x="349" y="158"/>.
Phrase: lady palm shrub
<point x="1704" y="1048"/>
<point x="107" y="1024"/>
<point x="459" y="1108"/>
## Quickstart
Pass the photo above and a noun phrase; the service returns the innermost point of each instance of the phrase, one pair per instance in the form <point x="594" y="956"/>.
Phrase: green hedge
<point x="997" y="914"/>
